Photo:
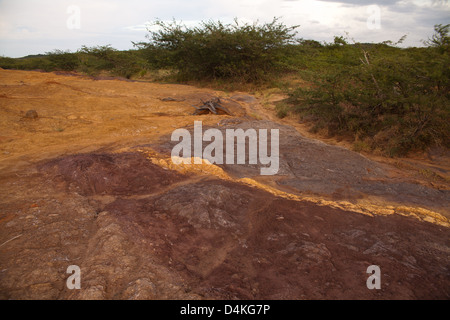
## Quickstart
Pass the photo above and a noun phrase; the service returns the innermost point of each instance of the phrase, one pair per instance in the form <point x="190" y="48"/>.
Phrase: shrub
<point x="62" y="60"/>
<point x="282" y="110"/>
<point x="244" y="52"/>
<point x="8" y="63"/>
<point x="27" y="63"/>
<point x="396" y="98"/>
<point x="105" y="58"/>
<point x="95" y="59"/>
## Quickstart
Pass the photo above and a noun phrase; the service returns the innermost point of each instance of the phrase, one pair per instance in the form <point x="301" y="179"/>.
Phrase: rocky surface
<point x="311" y="167"/>
<point x="202" y="239"/>
<point x="85" y="184"/>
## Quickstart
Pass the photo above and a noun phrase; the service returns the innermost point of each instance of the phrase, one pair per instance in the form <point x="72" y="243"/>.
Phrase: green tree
<point x="245" y="52"/>
<point x="440" y="39"/>
<point x="393" y="99"/>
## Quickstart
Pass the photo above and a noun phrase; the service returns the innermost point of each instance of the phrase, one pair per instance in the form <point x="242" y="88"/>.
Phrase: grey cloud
<point x="360" y="3"/>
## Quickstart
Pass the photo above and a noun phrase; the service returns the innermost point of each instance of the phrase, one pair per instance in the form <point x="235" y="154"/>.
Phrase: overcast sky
<point x="32" y="26"/>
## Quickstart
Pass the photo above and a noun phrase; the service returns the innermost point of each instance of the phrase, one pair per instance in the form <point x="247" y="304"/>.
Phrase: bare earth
<point x="90" y="183"/>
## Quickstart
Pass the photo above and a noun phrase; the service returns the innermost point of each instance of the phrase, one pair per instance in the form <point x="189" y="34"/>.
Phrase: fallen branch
<point x="211" y="106"/>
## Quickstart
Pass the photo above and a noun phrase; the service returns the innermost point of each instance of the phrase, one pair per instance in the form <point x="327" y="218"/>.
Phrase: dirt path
<point x="88" y="183"/>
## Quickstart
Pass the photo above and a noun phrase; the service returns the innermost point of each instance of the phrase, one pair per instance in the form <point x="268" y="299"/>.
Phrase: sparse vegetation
<point x="387" y="99"/>
<point x="88" y="60"/>
<point x="282" y="110"/>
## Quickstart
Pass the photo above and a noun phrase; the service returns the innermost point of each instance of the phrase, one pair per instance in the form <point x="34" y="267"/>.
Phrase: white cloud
<point x="29" y="27"/>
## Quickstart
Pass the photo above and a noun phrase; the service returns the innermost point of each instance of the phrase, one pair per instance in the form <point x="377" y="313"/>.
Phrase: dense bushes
<point x="391" y="99"/>
<point x="93" y="60"/>
<point x="239" y="52"/>
<point x="88" y="60"/>
<point x="40" y="62"/>
<point x="62" y="60"/>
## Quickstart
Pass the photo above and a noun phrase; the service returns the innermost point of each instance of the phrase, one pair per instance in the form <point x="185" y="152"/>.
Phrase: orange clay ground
<point x="90" y="183"/>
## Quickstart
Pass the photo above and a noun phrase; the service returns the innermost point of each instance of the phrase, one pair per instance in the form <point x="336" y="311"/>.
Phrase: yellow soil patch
<point x="206" y="168"/>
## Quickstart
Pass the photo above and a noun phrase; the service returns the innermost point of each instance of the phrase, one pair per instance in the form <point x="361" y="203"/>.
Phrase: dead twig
<point x="211" y="106"/>
<point x="10" y="240"/>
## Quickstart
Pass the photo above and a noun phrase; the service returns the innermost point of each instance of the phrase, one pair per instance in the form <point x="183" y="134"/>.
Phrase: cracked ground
<point x="90" y="183"/>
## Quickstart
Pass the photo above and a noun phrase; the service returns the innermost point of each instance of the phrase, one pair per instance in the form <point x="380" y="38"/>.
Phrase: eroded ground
<point x="90" y="183"/>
